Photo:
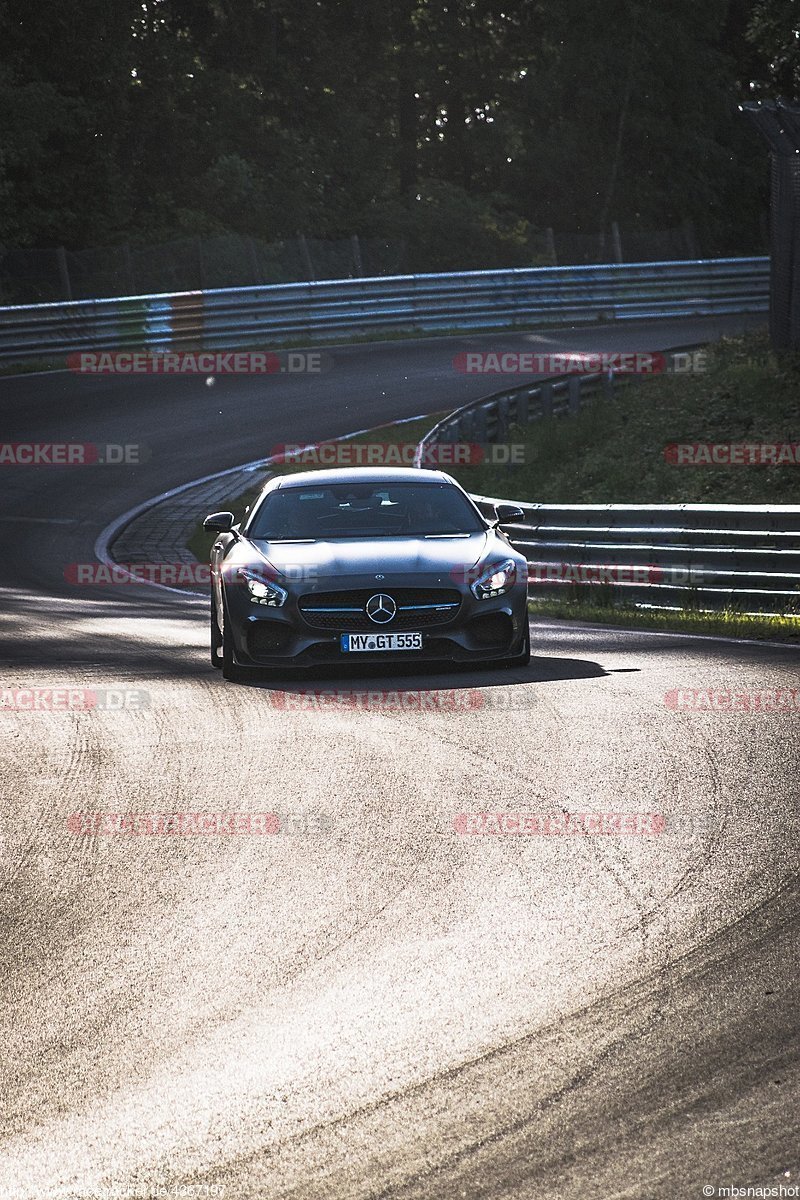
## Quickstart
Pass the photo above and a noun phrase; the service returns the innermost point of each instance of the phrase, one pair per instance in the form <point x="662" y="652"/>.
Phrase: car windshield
<point x="371" y="510"/>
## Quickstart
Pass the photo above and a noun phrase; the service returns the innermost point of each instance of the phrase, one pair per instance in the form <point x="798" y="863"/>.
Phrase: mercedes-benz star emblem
<point x="381" y="609"/>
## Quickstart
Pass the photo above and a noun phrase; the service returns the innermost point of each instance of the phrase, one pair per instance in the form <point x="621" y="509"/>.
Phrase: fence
<point x="234" y="260"/>
<point x="235" y="317"/>
<point x="189" y="264"/>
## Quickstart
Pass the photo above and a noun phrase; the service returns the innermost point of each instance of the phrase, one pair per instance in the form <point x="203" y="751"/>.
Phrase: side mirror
<point x="509" y="514"/>
<point x="221" y="522"/>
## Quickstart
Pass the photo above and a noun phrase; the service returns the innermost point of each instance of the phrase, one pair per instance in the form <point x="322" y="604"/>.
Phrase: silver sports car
<point x="365" y="565"/>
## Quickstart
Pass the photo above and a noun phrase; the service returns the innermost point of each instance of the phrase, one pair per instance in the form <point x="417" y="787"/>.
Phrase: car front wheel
<point x="216" y="639"/>
<point x="230" y="668"/>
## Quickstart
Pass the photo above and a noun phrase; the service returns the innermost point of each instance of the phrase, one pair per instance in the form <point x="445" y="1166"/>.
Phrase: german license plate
<point x="351" y="642"/>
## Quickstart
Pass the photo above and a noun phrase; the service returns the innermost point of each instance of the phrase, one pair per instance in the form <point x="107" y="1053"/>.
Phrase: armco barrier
<point x="489" y="418"/>
<point x="307" y="312"/>
<point x="739" y="556"/>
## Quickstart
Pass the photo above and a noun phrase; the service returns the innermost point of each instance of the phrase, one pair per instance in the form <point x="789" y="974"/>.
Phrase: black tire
<point x="216" y="638"/>
<point x="524" y="657"/>
<point x="230" y="668"/>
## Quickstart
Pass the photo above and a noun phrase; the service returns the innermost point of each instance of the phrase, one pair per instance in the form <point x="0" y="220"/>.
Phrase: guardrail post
<point x="128" y="257"/>
<point x="523" y="408"/>
<point x="574" y="394"/>
<point x="479" y="432"/>
<point x="534" y="398"/>
<point x="63" y="271"/>
<point x="357" y="263"/>
<point x="608" y="384"/>
<point x="546" y="399"/>
<point x="254" y="263"/>
<point x="306" y="257"/>
<point x="501" y="434"/>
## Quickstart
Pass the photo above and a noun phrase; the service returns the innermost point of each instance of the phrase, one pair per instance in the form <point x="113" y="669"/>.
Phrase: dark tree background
<point x="459" y="125"/>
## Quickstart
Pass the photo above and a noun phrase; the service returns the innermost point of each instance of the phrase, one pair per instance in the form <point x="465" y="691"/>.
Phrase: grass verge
<point x="614" y="450"/>
<point x="780" y="628"/>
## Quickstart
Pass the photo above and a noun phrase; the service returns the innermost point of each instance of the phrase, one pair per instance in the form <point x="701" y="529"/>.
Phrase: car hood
<point x="389" y="556"/>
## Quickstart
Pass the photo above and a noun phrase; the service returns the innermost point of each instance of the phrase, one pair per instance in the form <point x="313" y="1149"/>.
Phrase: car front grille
<point x="345" y="611"/>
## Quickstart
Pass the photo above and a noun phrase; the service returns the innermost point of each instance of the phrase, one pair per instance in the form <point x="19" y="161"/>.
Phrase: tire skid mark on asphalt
<point x="612" y="855"/>
<point x="516" y="848"/>
<point x="609" y="857"/>
<point x="662" y="987"/>
<point x="411" y="731"/>
<point x="64" y="861"/>
<point x="655" y="903"/>
<point x="375" y="914"/>
<point x="560" y="1026"/>
<point x="68" y="776"/>
<point x="639" y="1010"/>
<point x="413" y="728"/>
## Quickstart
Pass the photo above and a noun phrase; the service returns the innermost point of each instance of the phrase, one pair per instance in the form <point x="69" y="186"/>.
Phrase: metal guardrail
<point x="236" y="317"/>
<point x="743" y="557"/>
<point x="489" y="418"/>
<point x="739" y="556"/>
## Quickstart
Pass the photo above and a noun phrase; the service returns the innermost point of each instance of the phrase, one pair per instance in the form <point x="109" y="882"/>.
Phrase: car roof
<point x="338" y="475"/>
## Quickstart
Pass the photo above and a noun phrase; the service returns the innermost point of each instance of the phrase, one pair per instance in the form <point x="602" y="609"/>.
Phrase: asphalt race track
<point x="372" y="1003"/>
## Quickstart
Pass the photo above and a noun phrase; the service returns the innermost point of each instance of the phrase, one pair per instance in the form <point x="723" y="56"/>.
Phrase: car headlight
<point x="263" y="591"/>
<point x="494" y="580"/>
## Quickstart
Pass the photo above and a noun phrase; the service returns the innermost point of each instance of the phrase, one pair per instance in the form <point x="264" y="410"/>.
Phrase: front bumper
<point x="480" y="631"/>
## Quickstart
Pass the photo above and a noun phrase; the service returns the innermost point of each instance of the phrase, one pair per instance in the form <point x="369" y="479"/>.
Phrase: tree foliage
<point x="459" y="125"/>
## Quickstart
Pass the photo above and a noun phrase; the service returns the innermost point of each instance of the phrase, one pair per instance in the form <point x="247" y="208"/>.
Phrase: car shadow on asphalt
<point x="372" y="679"/>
